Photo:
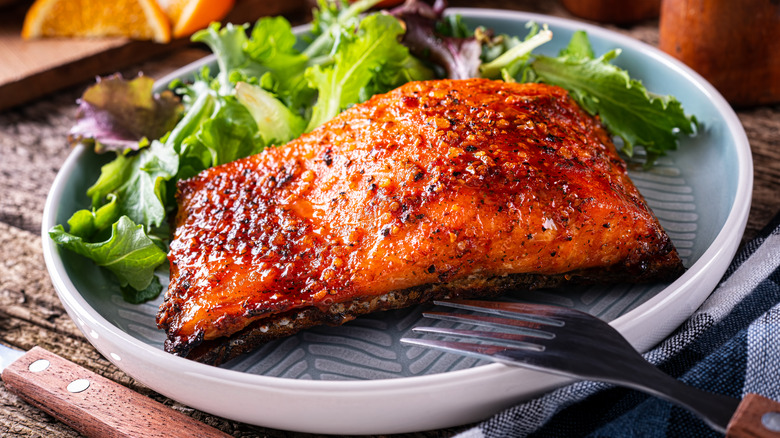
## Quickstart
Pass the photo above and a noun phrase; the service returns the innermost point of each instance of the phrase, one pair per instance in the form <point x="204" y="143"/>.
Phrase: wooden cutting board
<point x="33" y="68"/>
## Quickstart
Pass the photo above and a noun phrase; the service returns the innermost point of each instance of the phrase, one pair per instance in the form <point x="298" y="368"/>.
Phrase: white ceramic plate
<point x="358" y="379"/>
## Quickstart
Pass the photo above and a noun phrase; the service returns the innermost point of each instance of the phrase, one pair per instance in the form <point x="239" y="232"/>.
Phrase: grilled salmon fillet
<point x="437" y="189"/>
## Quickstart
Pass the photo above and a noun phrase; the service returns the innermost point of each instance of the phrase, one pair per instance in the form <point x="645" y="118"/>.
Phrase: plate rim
<point x="722" y="247"/>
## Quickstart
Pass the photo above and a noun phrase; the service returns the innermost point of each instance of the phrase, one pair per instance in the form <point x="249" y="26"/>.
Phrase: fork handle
<point x="756" y="416"/>
<point x="715" y="409"/>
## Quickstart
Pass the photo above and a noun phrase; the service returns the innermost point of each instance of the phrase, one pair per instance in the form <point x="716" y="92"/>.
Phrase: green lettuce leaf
<point x="516" y="53"/>
<point x="624" y="105"/>
<point x="227" y="43"/>
<point x="229" y="134"/>
<point x="129" y="253"/>
<point x="276" y="123"/>
<point x="374" y="51"/>
<point x="88" y="223"/>
<point x="333" y="20"/>
<point x="273" y="45"/>
<point x="138" y="183"/>
<point x="135" y="296"/>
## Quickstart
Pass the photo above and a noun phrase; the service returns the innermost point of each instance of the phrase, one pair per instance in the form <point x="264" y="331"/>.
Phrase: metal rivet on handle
<point x="771" y="420"/>
<point x="39" y="365"/>
<point x="78" y="385"/>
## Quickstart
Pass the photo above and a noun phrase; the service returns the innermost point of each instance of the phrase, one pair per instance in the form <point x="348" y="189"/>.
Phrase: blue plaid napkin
<point x="731" y="346"/>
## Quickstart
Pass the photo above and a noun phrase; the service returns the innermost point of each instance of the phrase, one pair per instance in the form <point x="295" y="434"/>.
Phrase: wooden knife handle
<point x="93" y="405"/>
<point x="757" y="417"/>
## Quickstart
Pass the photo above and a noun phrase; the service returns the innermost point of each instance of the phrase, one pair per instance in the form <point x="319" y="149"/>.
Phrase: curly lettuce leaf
<point x="129" y="253"/>
<point x="516" y="54"/>
<point x="333" y="20"/>
<point x="579" y="47"/>
<point x="273" y="45"/>
<point x="138" y="183"/>
<point x="139" y="296"/>
<point x="375" y="51"/>
<point x="275" y="122"/>
<point x="114" y="113"/>
<point x="624" y="105"/>
<point x="215" y="130"/>
<point x="229" y="134"/>
<point x="227" y="43"/>
<point x="88" y="223"/>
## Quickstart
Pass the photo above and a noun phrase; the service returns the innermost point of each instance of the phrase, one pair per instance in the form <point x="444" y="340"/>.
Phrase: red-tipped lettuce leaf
<point x="458" y="56"/>
<point x="115" y="114"/>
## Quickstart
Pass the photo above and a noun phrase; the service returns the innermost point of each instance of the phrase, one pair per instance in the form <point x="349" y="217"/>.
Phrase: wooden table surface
<point x="32" y="149"/>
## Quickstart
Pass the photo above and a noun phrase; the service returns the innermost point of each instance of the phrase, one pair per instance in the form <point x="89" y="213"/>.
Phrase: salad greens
<point x="625" y="107"/>
<point x="367" y="62"/>
<point x="271" y="86"/>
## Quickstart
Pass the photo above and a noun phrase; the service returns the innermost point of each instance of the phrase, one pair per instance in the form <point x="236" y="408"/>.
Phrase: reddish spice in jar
<point x="614" y="11"/>
<point x="735" y="45"/>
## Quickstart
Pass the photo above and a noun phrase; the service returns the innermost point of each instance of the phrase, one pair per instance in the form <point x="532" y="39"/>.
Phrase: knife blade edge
<point x="8" y="355"/>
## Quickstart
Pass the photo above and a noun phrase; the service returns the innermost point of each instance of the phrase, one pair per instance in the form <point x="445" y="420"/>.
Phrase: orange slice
<point x="189" y="16"/>
<point x="136" y="19"/>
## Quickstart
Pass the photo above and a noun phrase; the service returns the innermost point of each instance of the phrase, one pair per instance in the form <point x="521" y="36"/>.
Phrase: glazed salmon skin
<point x="447" y="188"/>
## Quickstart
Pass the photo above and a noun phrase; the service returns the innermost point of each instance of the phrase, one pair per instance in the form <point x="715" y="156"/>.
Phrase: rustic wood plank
<point x="32" y="144"/>
<point x="23" y="420"/>
<point x="762" y="126"/>
<point x="26" y="292"/>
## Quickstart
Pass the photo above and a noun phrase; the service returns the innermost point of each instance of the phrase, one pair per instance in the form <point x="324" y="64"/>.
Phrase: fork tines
<point x="526" y="324"/>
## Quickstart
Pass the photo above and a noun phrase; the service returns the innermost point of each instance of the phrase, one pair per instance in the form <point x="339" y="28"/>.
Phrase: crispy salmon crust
<point x="436" y="189"/>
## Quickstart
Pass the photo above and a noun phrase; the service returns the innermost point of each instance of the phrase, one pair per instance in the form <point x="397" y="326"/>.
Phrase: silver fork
<point x="576" y="344"/>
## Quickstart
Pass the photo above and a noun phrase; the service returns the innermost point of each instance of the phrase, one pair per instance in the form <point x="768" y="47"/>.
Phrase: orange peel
<point x="189" y="16"/>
